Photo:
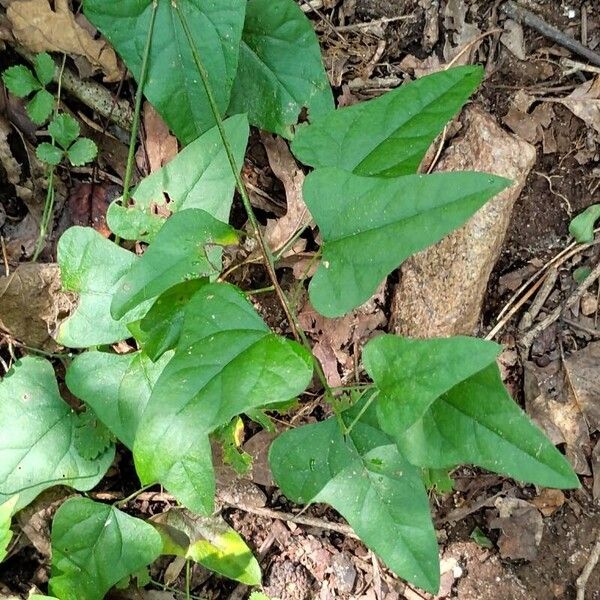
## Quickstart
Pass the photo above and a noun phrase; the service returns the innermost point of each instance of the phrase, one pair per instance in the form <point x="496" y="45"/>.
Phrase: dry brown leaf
<point x="596" y="471"/>
<point x="582" y="369"/>
<point x="522" y="528"/>
<point x="258" y="448"/>
<point x="584" y="102"/>
<point x="161" y="146"/>
<point x="286" y="169"/>
<point x="548" y="501"/>
<point x="31" y="304"/>
<point x="40" y="28"/>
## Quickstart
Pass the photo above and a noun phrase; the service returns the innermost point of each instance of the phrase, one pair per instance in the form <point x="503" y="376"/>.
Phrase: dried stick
<point x="587" y="571"/>
<point x="522" y="15"/>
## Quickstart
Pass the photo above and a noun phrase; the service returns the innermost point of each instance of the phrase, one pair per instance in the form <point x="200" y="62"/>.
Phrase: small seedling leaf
<point x="280" y="70"/>
<point x="40" y="107"/>
<point x="92" y="437"/>
<point x="20" y="81"/>
<point x="226" y="362"/>
<point x="37" y="431"/>
<point x="208" y="541"/>
<point x="390" y="135"/>
<point x="119" y="389"/>
<point x="64" y="129"/>
<point x="582" y="226"/>
<point x="371" y="225"/>
<point x="198" y="177"/>
<point x="49" y="154"/>
<point x="94" y="546"/>
<point x="82" y="151"/>
<point x="44" y="68"/>
<point x="173" y="85"/>
<point x="179" y="253"/>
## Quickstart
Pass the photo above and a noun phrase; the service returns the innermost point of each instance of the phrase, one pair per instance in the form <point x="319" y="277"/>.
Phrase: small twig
<point x="572" y="66"/>
<point x="374" y="23"/>
<point x="569" y="208"/>
<point x="299" y="520"/>
<point x="589" y="330"/>
<point x="587" y="570"/>
<point x="575" y="297"/>
<point x="540" y="299"/>
<point x="526" y="17"/>
<point x="313" y="7"/>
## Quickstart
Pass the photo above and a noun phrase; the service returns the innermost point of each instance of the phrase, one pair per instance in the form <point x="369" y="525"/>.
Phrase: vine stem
<point x="138" y="108"/>
<point x="264" y="249"/>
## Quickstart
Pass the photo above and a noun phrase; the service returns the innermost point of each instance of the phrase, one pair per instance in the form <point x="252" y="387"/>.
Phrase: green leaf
<point x="481" y="539"/>
<point x="582" y="226"/>
<point x="198" y="177"/>
<point x="37" y="429"/>
<point x="280" y="70"/>
<point x="260" y="596"/>
<point x="64" y="129"/>
<point x="44" y="68"/>
<point x="116" y="386"/>
<point x="40" y="107"/>
<point x="94" y="546"/>
<point x="7" y="510"/>
<point x="388" y="136"/>
<point x="92" y="266"/>
<point x="82" y="151"/>
<point x="370" y="225"/>
<point x="230" y="438"/>
<point x="226" y="362"/>
<point x="49" y="154"/>
<point x="160" y="329"/>
<point x="178" y="254"/>
<point x="477" y="422"/>
<point x="366" y="479"/>
<point x="208" y="541"/>
<point x="173" y="84"/>
<point x="20" y="81"/>
<point x="92" y="437"/>
<point x="580" y="274"/>
<point x="412" y="374"/>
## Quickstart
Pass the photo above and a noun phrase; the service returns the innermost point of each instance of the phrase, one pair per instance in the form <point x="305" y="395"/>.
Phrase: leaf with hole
<point x="226" y="362"/>
<point x="365" y="478"/>
<point x="92" y="266"/>
<point x="37" y="428"/>
<point x="208" y="541"/>
<point x="180" y="252"/>
<point x="173" y="84"/>
<point x="371" y="225"/>
<point x="94" y="546"/>
<point x="198" y="177"/>
<point x="280" y="69"/>
<point x="388" y="136"/>
<point x="119" y="390"/>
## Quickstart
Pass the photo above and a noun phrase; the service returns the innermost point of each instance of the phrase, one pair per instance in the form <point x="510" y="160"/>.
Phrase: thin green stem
<point x="277" y="256"/>
<point x="265" y="290"/>
<point x="362" y="411"/>
<point x="265" y="251"/>
<point x="123" y="502"/>
<point x="187" y="579"/>
<point x="138" y="108"/>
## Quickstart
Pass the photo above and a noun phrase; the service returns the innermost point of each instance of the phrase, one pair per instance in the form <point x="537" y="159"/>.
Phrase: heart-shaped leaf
<point x="370" y="225"/>
<point x="208" y="541"/>
<point x="401" y="126"/>
<point x="173" y="83"/>
<point x="226" y="362"/>
<point x="94" y="546"/>
<point x="92" y="266"/>
<point x="367" y="480"/>
<point x="477" y="422"/>
<point x="280" y="68"/>
<point x="179" y="253"/>
<point x="116" y="386"/>
<point x="200" y="176"/>
<point x="412" y="374"/>
<point x="37" y="448"/>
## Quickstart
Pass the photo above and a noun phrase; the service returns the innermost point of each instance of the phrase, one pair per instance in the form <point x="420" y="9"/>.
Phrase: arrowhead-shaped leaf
<point x="92" y="266"/>
<point x="226" y="362"/>
<point x="198" y="177"/>
<point x="173" y="84"/>
<point x="370" y="225"/>
<point x="116" y="386"/>
<point x="367" y="480"/>
<point x="37" y="448"/>
<point x="280" y="68"/>
<point x="401" y="126"/>
<point x="178" y="254"/>
<point x="477" y="422"/>
<point x="94" y="546"/>
<point x="208" y="541"/>
<point x="412" y="374"/>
